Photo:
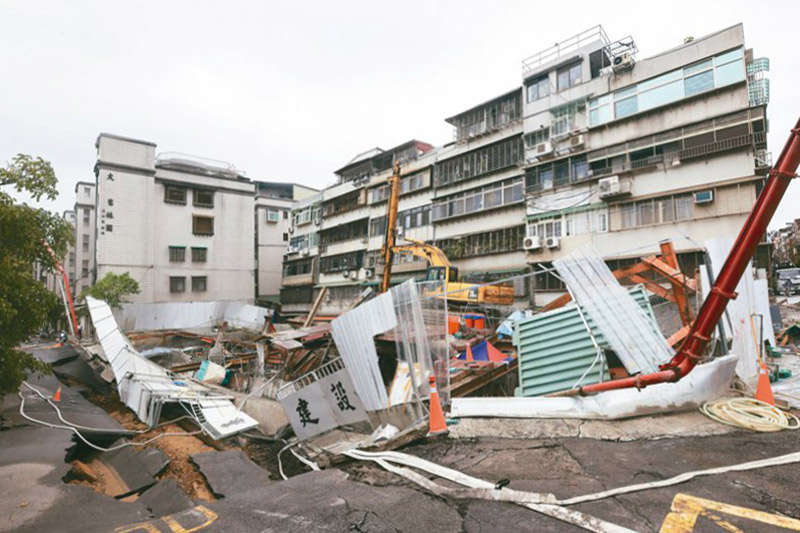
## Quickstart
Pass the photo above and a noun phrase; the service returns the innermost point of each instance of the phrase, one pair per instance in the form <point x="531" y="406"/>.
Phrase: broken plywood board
<point x="230" y="472"/>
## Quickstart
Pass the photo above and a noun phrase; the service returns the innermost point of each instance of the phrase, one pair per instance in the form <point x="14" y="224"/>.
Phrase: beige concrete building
<point x="595" y="145"/>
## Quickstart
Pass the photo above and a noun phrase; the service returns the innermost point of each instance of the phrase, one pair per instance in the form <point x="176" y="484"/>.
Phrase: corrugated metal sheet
<point x="624" y="325"/>
<point x="555" y="349"/>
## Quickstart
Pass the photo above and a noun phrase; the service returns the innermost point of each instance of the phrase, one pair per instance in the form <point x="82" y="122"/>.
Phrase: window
<point x="273" y="215"/>
<point x="174" y="195"/>
<point x="342" y="262"/>
<point x="298" y="268"/>
<point x="304" y="241"/>
<point x="202" y="225"/>
<point x="538" y="89"/>
<point x="199" y="283"/>
<point x="87" y="191"/>
<point x="109" y="227"/>
<point x="658" y="211"/>
<point x="537" y="137"/>
<point x="285" y="237"/>
<point x="72" y="259"/>
<point x="177" y="284"/>
<point x="199" y="255"/>
<point x="203" y="198"/>
<point x="177" y="254"/>
<point x="111" y="202"/>
<point x="109" y="214"/>
<point x="488" y="242"/>
<point x="85" y="243"/>
<point x="84" y="268"/>
<point x="480" y="161"/>
<point x="566" y="118"/>
<point x="285" y="214"/>
<point x="569" y="76"/>
<point x="718" y="71"/>
<point x="476" y="200"/>
<point x="86" y="217"/>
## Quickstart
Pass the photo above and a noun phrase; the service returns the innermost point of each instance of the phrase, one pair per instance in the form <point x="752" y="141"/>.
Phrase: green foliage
<point x="113" y="288"/>
<point x="25" y="304"/>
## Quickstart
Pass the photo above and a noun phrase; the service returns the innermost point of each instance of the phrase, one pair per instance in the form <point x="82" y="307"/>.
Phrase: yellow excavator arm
<point x="423" y="250"/>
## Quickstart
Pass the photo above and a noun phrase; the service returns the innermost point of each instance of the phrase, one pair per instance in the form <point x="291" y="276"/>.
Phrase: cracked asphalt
<point x="364" y="498"/>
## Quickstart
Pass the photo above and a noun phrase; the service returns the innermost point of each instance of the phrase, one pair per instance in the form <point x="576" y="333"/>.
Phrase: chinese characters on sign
<point x="327" y="403"/>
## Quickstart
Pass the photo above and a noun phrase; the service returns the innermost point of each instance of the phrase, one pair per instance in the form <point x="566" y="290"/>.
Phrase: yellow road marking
<point x="687" y="509"/>
<point x="154" y="526"/>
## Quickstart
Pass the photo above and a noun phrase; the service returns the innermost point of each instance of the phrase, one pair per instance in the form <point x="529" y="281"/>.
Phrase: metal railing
<point x="564" y="47"/>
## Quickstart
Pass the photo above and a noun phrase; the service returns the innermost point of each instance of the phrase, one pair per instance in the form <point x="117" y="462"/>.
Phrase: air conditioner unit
<point x="305" y="252"/>
<point x="532" y="243"/>
<point x="553" y="242"/>
<point x="346" y="273"/>
<point x="369" y="272"/>
<point x="622" y="62"/>
<point x="290" y="249"/>
<point x="399" y="231"/>
<point x="543" y="149"/>
<point x="704" y="197"/>
<point x="354" y="274"/>
<point x="612" y="186"/>
<point x="576" y="142"/>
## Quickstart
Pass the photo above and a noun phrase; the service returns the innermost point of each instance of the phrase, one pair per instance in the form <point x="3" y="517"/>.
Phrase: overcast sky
<point x="291" y="91"/>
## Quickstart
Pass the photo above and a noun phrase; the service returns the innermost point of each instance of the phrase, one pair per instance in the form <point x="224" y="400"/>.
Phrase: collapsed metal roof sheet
<point x="146" y="387"/>
<point x="189" y="315"/>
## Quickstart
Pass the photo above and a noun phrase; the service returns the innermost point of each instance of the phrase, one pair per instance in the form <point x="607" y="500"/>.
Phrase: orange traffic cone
<point x="469" y="353"/>
<point x="57" y="395"/>
<point x="437" y="422"/>
<point x="764" y="389"/>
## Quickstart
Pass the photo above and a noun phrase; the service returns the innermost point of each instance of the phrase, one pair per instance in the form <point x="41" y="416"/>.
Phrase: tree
<point x="113" y="288"/>
<point x="25" y="304"/>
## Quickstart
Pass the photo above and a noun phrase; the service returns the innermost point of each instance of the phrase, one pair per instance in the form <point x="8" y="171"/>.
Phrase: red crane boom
<point x="723" y="290"/>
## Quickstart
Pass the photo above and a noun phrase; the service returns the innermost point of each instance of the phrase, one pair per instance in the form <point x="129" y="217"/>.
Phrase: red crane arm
<point x="723" y="290"/>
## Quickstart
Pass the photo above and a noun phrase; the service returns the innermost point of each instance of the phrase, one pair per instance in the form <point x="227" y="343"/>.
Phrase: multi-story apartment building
<point x="182" y="226"/>
<point x="69" y="263"/>
<point x="85" y="236"/>
<point x="274" y="202"/>
<point x="623" y="153"/>
<point x="595" y="146"/>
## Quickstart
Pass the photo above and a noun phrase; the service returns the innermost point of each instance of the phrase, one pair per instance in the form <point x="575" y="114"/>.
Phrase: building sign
<point x="327" y="403"/>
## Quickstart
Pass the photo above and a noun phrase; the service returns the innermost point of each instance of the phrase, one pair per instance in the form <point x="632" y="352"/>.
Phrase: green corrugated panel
<point x="554" y="348"/>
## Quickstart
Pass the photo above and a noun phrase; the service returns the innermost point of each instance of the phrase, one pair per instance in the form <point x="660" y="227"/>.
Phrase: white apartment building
<point x="69" y="262"/>
<point x="595" y="145"/>
<point x="274" y="202"/>
<point x="85" y="236"/>
<point x="624" y="152"/>
<point x="181" y="225"/>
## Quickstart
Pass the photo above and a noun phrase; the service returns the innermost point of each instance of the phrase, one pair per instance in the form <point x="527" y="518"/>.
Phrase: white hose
<point x="749" y="413"/>
<point x="84" y="439"/>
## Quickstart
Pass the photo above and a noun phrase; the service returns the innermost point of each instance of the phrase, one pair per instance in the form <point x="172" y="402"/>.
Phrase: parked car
<point x="788" y="281"/>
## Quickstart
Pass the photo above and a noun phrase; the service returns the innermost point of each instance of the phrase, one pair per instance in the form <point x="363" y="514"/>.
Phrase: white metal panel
<point x="624" y="324"/>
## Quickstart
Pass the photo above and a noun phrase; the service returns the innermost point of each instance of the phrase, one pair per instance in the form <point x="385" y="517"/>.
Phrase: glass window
<point x="569" y="76"/>
<point x="273" y="215"/>
<point x="538" y="89"/>
<point x="730" y="73"/>
<point x="177" y="253"/>
<point x="203" y="198"/>
<point x="727" y="57"/>
<point x="675" y="75"/>
<point x="601" y="115"/>
<point x="699" y="83"/>
<point x="174" y="195"/>
<point x="628" y="215"/>
<point x="199" y="255"/>
<point x="626" y="107"/>
<point x="177" y="284"/>
<point x="203" y="225"/>
<point x="199" y="283"/>
<point x="700" y="67"/>
<point x="602" y="222"/>
<point x="646" y="213"/>
<point x="684" y="207"/>
<point x="665" y="94"/>
<point x="666" y="209"/>
<point x="561" y="172"/>
<point x="580" y="168"/>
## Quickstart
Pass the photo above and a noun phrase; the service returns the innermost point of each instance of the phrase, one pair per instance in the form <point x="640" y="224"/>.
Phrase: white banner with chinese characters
<point x="324" y="404"/>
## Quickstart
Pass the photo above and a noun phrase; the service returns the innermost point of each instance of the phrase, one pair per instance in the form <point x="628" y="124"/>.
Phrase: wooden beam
<point x="315" y="308"/>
